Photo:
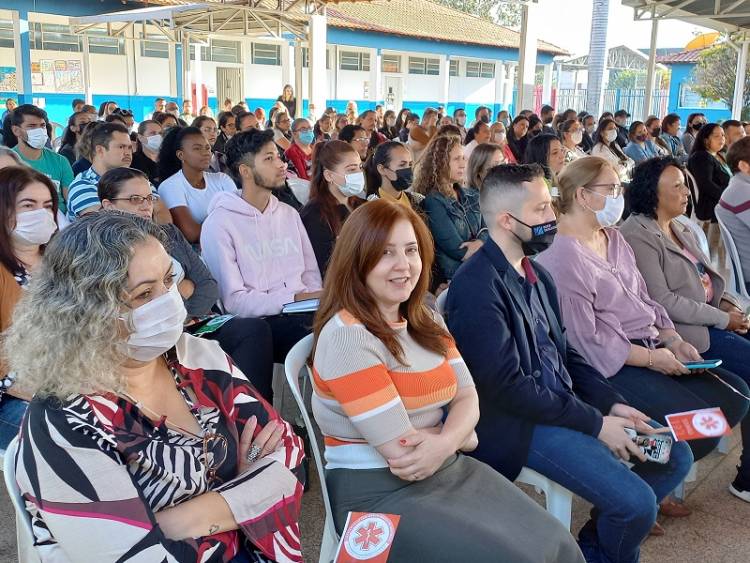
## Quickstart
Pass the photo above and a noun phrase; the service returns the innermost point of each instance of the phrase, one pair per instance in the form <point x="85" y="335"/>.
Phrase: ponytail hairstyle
<point x="382" y="155"/>
<point x="326" y="156"/>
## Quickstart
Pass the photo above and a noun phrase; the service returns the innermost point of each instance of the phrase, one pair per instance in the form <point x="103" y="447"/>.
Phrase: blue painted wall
<point x="682" y="73"/>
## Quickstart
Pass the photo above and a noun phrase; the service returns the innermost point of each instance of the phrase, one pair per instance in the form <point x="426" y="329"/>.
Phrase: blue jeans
<point x="625" y="500"/>
<point x="11" y="415"/>
<point x="734" y="351"/>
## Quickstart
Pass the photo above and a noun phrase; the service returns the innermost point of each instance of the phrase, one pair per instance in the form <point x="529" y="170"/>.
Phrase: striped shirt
<point x="83" y="194"/>
<point x="365" y="397"/>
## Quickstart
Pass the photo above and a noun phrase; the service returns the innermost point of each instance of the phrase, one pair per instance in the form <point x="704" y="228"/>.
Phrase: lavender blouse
<point x="604" y="303"/>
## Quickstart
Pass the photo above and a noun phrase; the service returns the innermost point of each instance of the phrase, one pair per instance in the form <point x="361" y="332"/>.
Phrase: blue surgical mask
<point x="307" y="137"/>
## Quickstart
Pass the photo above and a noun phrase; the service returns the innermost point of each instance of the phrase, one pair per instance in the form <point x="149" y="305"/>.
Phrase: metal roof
<point x="722" y="15"/>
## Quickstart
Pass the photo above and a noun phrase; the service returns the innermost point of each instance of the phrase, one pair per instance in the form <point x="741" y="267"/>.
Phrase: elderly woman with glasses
<point x="681" y="278"/>
<point x="154" y="432"/>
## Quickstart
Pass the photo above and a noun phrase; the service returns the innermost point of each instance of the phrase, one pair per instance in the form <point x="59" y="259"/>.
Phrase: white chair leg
<point x="724" y="445"/>
<point x="692" y="474"/>
<point x="328" y="546"/>
<point x="559" y="503"/>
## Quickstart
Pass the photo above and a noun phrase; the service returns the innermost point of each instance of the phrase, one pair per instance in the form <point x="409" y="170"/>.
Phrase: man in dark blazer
<point x="541" y="404"/>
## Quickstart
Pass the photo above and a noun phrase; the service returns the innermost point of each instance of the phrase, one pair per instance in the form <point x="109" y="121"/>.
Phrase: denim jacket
<point x="452" y="223"/>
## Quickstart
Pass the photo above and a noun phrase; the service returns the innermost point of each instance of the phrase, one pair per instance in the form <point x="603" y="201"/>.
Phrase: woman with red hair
<point x="385" y="372"/>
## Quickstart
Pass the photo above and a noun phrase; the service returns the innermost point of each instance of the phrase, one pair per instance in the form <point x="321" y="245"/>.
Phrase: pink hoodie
<point x="260" y="260"/>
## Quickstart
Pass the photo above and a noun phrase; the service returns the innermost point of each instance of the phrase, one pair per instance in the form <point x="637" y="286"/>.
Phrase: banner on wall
<point x="57" y="75"/>
<point x="8" y="81"/>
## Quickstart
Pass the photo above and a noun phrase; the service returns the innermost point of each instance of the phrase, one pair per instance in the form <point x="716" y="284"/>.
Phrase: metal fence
<point x="631" y="100"/>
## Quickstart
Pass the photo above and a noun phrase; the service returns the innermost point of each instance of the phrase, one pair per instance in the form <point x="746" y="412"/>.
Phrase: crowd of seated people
<point x="188" y="254"/>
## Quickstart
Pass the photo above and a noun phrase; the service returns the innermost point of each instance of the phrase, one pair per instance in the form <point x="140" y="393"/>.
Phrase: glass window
<point x="354" y="60"/>
<point x="453" y="68"/>
<point x="53" y="37"/>
<point x="391" y="63"/>
<point x="155" y="49"/>
<point x="223" y="51"/>
<point x="693" y="100"/>
<point x="306" y="58"/>
<point x="6" y="34"/>
<point x="100" y="42"/>
<point x="421" y="65"/>
<point x="488" y="70"/>
<point x="473" y="69"/>
<point x="266" y="54"/>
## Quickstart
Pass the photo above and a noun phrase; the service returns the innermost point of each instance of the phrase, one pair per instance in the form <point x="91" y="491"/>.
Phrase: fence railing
<point x="631" y="100"/>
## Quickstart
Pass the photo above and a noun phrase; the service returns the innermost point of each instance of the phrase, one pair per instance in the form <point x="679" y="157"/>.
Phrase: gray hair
<point x="64" y="336"/>
<point x="5" y="151"/>
<point x="503" y="188"/>
<point x="300" y="121"/>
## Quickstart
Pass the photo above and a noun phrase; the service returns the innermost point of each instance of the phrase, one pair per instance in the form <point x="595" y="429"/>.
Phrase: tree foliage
<point x="498" y="11"/>
<point x="715" y="73"/>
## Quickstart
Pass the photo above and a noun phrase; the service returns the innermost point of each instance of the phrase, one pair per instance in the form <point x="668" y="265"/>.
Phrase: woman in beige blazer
<point x="679" y="276"/>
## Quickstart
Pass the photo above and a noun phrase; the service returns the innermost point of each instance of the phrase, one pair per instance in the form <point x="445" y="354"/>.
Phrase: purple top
<point x="604" y="303"/>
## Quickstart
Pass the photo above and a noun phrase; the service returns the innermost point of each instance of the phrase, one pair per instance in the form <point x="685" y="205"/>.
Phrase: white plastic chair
<point x="296" y="362"/>
<point x="736" y="279"/>
<point x="440" y="302"/>
<point x="698" y="233"/>
<point x="558" y="499"/>
<point x="24" y="535"/>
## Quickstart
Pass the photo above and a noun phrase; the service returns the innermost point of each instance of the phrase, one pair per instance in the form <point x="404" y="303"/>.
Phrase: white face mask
<point x="611" y="213"/>
<point x="354" y="185"/>
<point x="590" y="129"/>
<point x="610" y="135"/>
<point x="500" y="137"/>
<point x="577" y="137"/>
<point x="155" y="327"/>
<point x="37" y="138"/>
<point x="461" y="121"/>
<point x="34" y="227"/>
<point x="153" y="142"/>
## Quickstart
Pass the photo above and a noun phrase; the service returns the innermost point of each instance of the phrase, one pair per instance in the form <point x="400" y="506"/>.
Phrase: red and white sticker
<point x="368" y="536"/>
<point x="702" y="423"/>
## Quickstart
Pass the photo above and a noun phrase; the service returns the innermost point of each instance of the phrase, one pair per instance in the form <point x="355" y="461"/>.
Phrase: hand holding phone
<point x="656" y="448"/>
<point x="702" y="364"/>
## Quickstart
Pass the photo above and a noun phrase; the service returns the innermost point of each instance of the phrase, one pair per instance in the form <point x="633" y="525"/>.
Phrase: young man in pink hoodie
<point x="257" y="247"/>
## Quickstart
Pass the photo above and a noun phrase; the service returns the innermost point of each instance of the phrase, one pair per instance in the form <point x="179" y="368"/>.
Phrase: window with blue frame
<point x="354" y="60"/>
<point x="154" y="49"/>
<point x="266" y="54"/>
<point x="422" y="65"/>
<point x="693" y="100"/>
<point x="54" y="37"/>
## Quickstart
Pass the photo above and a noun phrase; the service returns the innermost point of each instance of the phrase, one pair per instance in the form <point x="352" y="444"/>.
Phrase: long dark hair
<point x="326" y="156"/>
<point x="382" y="155"/>
<point x="69" y="137"/>
<point x="699" y="145"/>
<point x="613" y="146"/>
<point x="14" y="179"/>
<point x="168" y="162"/>
<point x="401" y="118"/>
<point x="537" y="151"/>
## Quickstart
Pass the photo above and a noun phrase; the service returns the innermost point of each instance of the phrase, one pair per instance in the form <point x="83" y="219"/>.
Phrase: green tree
<point x="715" y="73"/>
<point x="498" y="11"/>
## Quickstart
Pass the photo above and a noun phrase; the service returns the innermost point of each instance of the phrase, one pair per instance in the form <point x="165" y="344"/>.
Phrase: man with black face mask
<point x="502" y="310"/>
<point x="482" y="113"/>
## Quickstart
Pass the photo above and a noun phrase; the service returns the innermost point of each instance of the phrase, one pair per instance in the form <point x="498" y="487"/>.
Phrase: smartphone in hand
<point x="703" y="364"/>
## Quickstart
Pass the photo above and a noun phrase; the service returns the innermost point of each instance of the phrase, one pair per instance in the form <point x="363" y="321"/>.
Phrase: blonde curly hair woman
<point x="452" y="210"/>
<point x="153" y="430"/>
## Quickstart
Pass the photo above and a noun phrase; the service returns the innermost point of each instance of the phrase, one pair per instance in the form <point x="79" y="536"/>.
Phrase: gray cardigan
<point x="206" y="291"/>
<point x="672" y="280"/>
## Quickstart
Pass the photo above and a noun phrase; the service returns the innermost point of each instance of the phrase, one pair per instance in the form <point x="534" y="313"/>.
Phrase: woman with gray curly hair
<point x="153" y="430"/>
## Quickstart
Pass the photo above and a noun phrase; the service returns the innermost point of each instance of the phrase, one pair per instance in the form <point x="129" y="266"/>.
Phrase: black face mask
<point x="403" y="179"/>
<point x="485" y="118"/>
<point x="697" y="126"/>
<point x="656" y="131"/>
<point x="542" y="236"/>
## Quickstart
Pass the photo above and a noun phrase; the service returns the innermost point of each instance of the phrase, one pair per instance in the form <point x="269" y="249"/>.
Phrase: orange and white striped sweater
<point x="363" y="397"/>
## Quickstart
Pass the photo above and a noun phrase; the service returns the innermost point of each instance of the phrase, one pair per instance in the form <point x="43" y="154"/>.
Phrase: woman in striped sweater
<point x="397" y="406"/>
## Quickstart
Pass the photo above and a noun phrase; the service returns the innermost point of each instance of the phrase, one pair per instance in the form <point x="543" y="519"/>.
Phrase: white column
<point x="500" y="78"/>
<point x="287" y="68"/>
<point x="376" y="76"/>
<point x="651" y="72"/>
<point x="88" y="95"/>
<point x="547" y="84"/>
<point x="739" y="85"/>
<point x="510" y="82"/>
<point x="186" y="86"/>
<point x="527" y="55"/>
<point x="130" y="66"/>
<point x="298" y="94"/>
<point x="317" y="62"/>
<point x="445" y="81"/>
<point x="174" y="73"/>
<point x="198" y="73"/>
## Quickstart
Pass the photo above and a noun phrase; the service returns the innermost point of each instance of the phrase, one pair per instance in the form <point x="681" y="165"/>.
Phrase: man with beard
<point x="256" y="247"/>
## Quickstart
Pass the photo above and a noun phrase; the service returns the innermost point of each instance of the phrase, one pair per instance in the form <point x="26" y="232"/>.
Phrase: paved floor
<point x="716" y="532"/>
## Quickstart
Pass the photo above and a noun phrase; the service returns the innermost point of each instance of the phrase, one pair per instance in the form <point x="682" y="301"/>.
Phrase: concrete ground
<point x="716" y="532"/>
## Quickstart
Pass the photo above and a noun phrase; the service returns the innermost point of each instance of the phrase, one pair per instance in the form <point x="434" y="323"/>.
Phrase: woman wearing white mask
<point x="159" y="434"/>
<point x="609" y="315"/>
<point x="337" y="187"/>
<point x="607" y="148"/>
<point x="453" y="211"/>
<point x="571" y="134"/>
<point x="146" y="156"/>
<point x="28" y="204"/>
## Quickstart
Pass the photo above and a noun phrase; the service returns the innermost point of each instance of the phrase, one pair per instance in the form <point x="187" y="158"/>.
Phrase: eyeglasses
<point x="137" y="199"/>
<point x="361" y="140"/>
<point x="209" y="130"/>
<point x="218" y="447"/>
<point x="614" y="189"/>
